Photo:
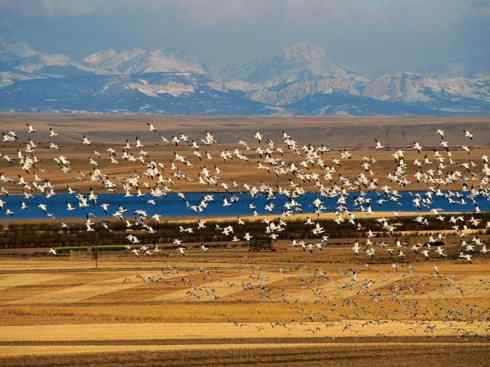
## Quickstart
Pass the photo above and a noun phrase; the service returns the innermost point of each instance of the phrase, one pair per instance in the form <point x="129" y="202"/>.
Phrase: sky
<point x="368" y="36"/>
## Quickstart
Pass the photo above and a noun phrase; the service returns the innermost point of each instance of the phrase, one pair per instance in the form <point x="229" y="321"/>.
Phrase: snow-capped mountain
<point x="298" y="71"/>
<point x="410" y="87"/>
<point x="303" y="70"/>
<point x="299" y="61"/>
<point x="139" y="61"/>
<point x="301" y="79"/>
<point x="19" y="58"/>
<point x="134" y="81"/>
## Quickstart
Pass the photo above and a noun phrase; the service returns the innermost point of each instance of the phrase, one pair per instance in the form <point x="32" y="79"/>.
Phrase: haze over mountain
<point x="301" y="79"/>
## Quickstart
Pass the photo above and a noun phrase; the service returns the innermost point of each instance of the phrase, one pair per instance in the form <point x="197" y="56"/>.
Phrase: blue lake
<point x="241" y="204"/>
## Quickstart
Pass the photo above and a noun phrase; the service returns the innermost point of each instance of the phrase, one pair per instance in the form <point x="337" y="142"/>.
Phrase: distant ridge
<point x="301" y="79"/>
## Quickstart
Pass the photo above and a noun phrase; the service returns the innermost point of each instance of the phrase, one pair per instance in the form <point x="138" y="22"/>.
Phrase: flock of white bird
<point x="436" y="169"/>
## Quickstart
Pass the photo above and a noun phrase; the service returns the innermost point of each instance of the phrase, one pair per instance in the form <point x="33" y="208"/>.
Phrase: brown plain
<point x="231" y="307"/>
<point x="355" y="134"/>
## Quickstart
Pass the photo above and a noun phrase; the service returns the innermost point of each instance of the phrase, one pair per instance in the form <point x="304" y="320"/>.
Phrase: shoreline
<point x="228" y="218"/>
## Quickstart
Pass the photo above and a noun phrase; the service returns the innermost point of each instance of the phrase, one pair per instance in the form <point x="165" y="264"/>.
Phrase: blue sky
<point x="369" y="36"/>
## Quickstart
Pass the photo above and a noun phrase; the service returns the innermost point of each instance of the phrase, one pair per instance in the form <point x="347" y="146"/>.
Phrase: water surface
<point x="239" y="204"/>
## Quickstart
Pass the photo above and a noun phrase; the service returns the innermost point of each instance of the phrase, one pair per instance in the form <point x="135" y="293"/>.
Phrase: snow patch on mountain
<point x="153" y="90"/>
<point x="9" y="78"/>
<point x="139" y="61"/>
<point x="19" y="57"/>
<point x="233" y="85"/>
<point x="299" y="70"/>
<point x="410" y="87"/>
<point x="15" y="50"/>
<point x="299" y="79"/>
<point x="36" y="64"/>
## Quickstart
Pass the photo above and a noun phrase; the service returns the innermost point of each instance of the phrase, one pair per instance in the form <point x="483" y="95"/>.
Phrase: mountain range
<point x="300" y="80"/>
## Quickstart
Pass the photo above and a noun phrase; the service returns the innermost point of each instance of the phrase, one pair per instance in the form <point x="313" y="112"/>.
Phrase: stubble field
<point x="293" y="304"/>
<point x="231" y="307"/>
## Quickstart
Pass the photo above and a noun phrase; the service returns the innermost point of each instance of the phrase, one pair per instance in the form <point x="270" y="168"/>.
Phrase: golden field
<point x="229" y="306"/>
<point x="357" y="135"/>
<point x="231" y="300"/>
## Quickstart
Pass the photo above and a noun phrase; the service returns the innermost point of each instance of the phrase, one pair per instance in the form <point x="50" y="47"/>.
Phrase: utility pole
<point x="96" y="252"/>
<point x="96" y="256"/>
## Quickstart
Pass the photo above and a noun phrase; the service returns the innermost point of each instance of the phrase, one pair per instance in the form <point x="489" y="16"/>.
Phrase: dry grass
<point x="355" y="134"/>
<point x="73" y="333"/>
<point x="240" y="307"/>
<point x="69" y="309"/>
<point x="434" y="354"/>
